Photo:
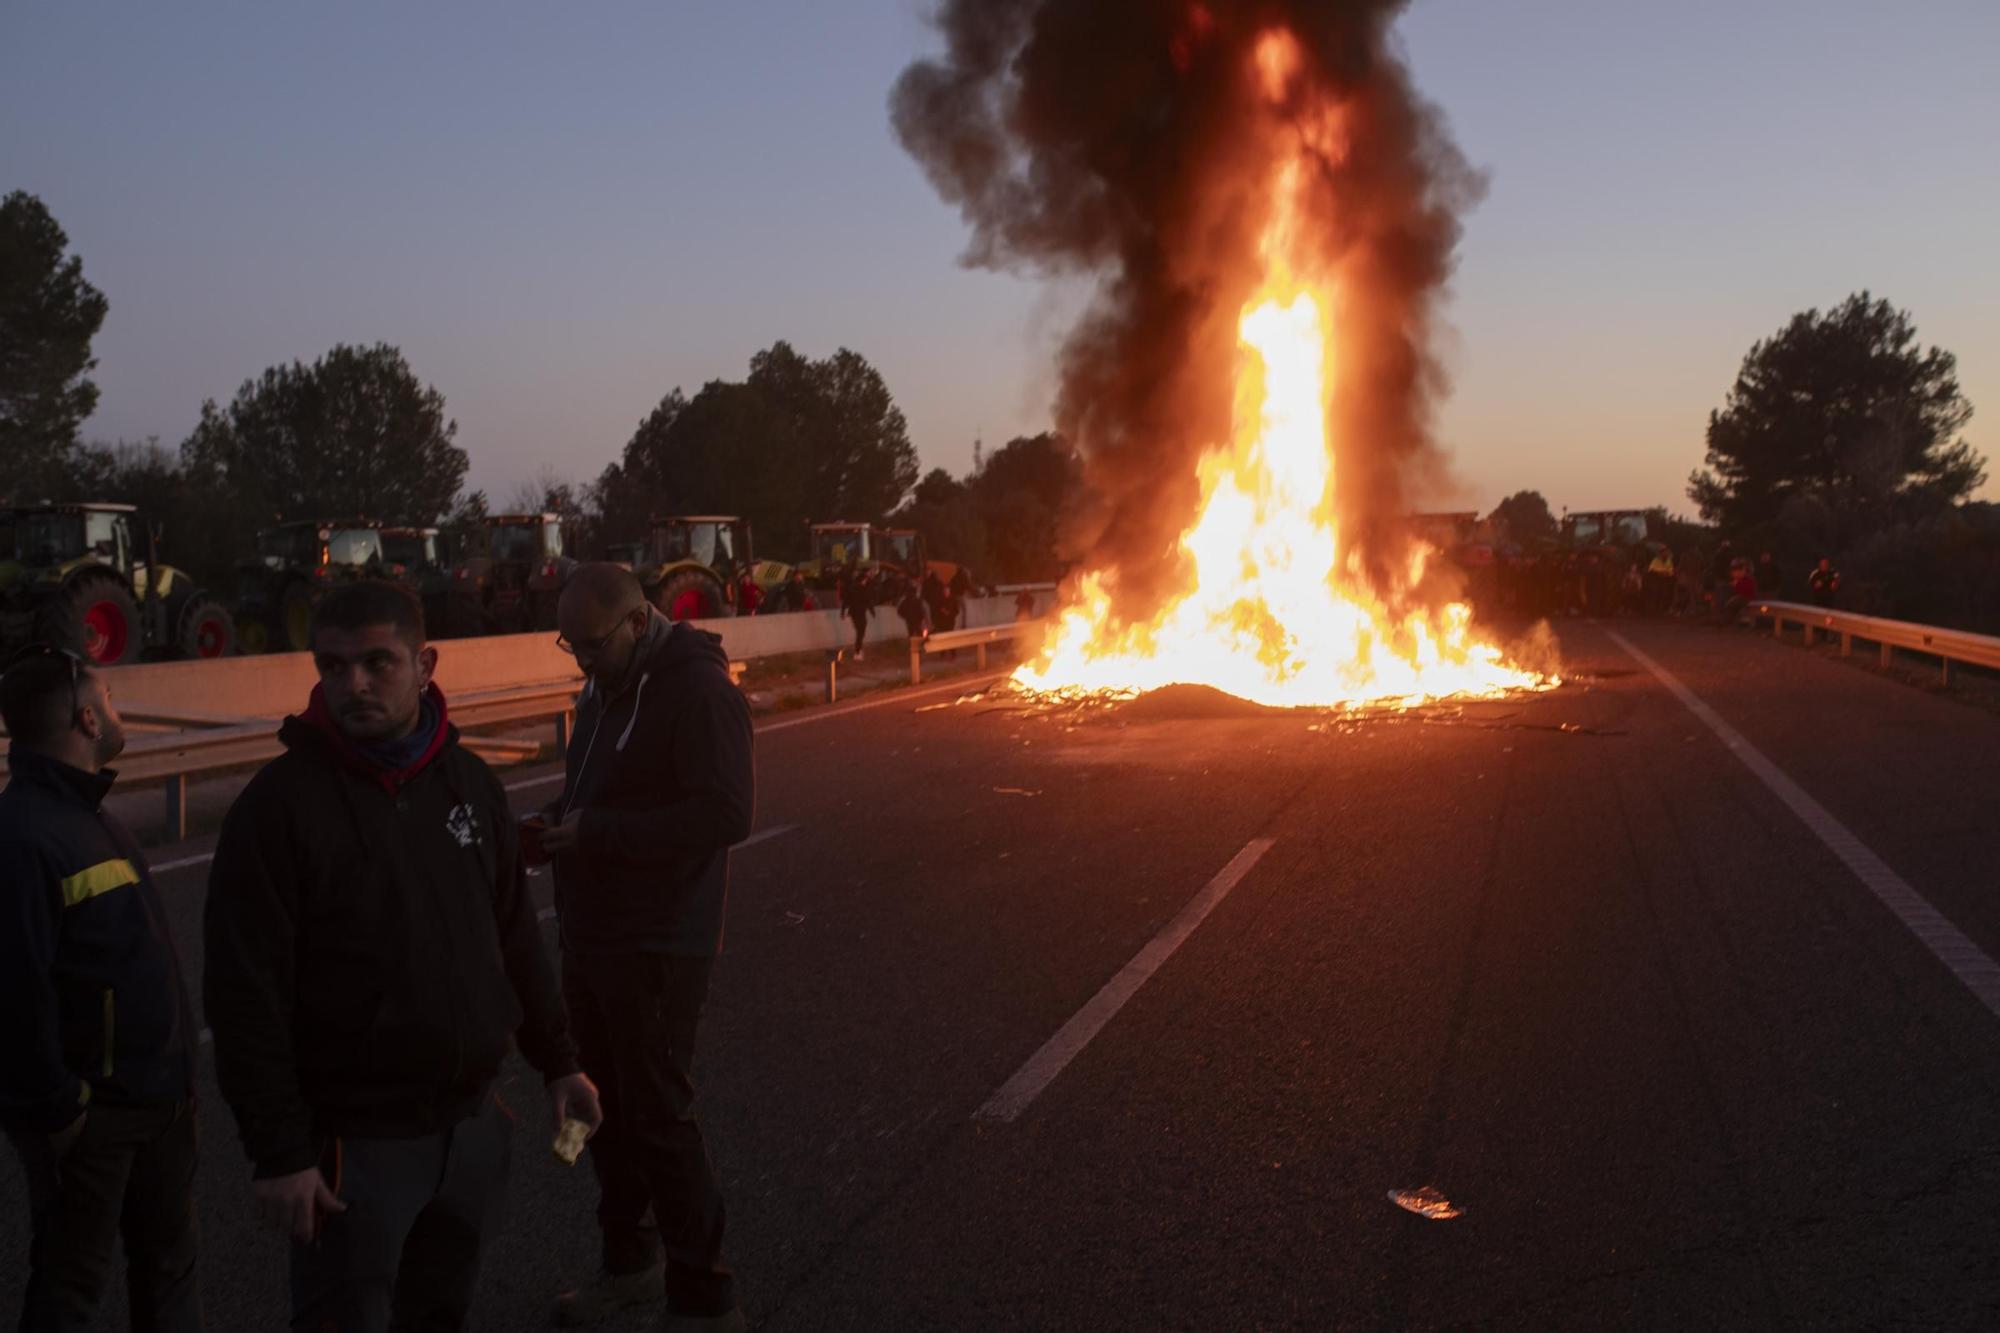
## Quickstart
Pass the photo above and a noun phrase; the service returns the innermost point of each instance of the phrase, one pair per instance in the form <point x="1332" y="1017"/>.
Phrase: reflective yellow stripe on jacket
<point x="100" y="878"/>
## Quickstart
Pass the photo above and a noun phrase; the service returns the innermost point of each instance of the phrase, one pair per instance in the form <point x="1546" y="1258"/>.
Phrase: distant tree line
<point x="357" y="433"/>
<point x="1843" y="436"/>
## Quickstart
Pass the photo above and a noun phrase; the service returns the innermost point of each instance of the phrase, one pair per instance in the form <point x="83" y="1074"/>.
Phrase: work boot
<point x="704" y="1323"/>
<point x="608" y="1293"/>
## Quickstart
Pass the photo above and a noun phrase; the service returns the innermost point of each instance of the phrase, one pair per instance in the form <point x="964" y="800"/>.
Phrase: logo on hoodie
<point x="463" y="824"/>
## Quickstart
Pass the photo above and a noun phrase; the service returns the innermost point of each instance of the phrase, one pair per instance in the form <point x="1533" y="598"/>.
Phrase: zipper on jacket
<point x="110" y="1030"/>
<point x="583" y="767"/>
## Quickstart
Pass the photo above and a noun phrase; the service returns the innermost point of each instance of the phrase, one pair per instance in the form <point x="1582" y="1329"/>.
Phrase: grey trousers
<point x="406" y="1253"/>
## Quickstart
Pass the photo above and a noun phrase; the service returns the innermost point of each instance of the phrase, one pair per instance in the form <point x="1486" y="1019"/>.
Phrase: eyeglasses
<point x="592" y="646"/>
<point x="34" y="652"/>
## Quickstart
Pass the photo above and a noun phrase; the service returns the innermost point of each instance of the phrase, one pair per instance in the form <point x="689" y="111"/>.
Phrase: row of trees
<point x="1842" y="436"/>
<point x="358" y="433"/>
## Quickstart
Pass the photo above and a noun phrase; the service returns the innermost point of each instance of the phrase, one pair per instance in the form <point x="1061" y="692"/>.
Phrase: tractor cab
<point x="1622" y="528"/>
<point x="51" y="536"/>
<point x="835" y="546"/>
<point x="904" y="548"/>
<point x="293" y="565"/>
<point x="411" y="550"/>
<point x="510" y="582"/>
<point x="696" y="567"/>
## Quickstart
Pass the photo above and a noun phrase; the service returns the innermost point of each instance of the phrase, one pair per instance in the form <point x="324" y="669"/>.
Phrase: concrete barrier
<point x="270" y="686"/>
<point x="217" y="692"/>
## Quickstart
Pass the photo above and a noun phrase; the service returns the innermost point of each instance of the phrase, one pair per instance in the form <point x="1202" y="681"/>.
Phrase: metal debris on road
<point x="1428" y="1202"/>
<point x="795" y="918"/>
<point x="1015" y="791"/>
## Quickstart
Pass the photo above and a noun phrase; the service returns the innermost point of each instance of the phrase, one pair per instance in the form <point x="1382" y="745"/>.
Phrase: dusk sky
<point x="560" y="212"/>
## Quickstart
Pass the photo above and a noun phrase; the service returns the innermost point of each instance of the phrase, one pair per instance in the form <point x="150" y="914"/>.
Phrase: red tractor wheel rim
<point x="209" y="637"/>
<point x="691" y="604"/>
<point x="104" y="632"/>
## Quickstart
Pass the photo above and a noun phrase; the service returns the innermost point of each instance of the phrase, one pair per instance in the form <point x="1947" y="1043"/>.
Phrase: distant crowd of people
<point x="1647" y="580"/>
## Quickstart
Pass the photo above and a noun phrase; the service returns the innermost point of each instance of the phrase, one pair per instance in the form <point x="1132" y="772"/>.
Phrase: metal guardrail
<point x="1949" y="646"/>
<point x="217" y="745"/>
<point x="953" y="639"/>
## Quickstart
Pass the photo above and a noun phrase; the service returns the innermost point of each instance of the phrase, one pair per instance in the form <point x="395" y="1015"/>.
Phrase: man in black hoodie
<point x="658" y="788"/>
<point x="97" y="1042"/>
<point x="373" y="955"/>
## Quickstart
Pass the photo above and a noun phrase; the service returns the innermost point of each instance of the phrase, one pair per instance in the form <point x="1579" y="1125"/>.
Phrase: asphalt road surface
<point x="1136" y="1018"/>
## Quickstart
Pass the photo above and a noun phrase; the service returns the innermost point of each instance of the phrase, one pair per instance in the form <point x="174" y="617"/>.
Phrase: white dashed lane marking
<point x="1044" y="1065"/>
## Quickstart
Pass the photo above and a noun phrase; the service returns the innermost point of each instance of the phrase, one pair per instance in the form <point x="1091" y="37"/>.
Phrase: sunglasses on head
<point x="34" y="652"/>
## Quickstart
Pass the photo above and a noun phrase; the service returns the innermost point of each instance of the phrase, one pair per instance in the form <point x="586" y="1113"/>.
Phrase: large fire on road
<point x="1252" y="384"/>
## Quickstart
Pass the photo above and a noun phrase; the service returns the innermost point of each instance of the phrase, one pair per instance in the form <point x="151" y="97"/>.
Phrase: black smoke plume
<point x="1135" y="143"/>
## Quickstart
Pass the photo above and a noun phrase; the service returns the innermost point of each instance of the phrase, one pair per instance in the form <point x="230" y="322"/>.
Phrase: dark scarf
<point x="391" y="763"/>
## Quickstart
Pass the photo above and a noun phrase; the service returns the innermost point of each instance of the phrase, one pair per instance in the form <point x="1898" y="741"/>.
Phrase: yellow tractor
<point x="86" y="577"/>
<point x="701" y="566"/>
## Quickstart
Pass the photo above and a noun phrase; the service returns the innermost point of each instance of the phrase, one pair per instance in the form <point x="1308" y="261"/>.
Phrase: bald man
<point x="658" y="787"/>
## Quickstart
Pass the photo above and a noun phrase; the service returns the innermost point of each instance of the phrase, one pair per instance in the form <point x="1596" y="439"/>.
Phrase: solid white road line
<point x="1967" y="961"/>
<point x="1028" y="1082"/>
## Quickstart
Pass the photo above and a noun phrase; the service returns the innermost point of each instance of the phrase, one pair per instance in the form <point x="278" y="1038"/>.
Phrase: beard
<point x="110" y="742"/>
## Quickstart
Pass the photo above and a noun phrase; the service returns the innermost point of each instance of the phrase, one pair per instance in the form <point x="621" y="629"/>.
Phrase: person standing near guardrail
<point x="658" y="785"/>
<point x="97" y="1047"/>
<point x="373" y="957"/>
<point x="1770" y="576"/>
<point x="857" y="599"/>
<point x="1825" y="582"/>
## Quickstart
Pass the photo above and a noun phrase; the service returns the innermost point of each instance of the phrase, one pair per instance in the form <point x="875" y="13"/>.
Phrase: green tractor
<point x="695" y="567"/>
<point x="295" y="563"/>
<point x="509" y="582"/>
<point x="75" y="575"/>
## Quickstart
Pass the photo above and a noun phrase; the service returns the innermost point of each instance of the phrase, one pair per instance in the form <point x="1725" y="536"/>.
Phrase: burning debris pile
<point x="1268" y="212"/>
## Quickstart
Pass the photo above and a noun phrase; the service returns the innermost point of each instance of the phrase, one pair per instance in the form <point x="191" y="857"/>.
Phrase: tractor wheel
<point x="295" y="613"/>
<point x="690" y="595"/>
<point x="205" y="629"/>
<point x="95" y="616"/>
<point x="253" y="635"/>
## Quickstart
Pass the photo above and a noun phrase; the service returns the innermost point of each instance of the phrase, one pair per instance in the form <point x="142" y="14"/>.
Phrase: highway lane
<point x="1599" y="986"/>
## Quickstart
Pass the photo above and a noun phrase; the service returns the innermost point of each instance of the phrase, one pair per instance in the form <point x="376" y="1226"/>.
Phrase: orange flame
<point x="1273" y="610"/>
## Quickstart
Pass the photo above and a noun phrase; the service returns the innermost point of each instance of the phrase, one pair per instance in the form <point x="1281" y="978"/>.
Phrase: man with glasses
<point x="658" y="788"/>
<point x="97" y="1046"/>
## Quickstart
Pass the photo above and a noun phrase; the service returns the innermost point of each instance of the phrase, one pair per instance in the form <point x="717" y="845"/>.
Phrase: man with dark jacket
<point x="372" y="957"/>
<point x="658" y="788"/>
<point x="97" y="1042"/>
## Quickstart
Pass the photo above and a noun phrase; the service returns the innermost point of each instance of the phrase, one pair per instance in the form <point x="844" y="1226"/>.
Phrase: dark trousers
<point x="129" y="1174"/>
<point x="635" y="1017"/>
<point x="406" y="1253"/>
<point x="860" y="629"/>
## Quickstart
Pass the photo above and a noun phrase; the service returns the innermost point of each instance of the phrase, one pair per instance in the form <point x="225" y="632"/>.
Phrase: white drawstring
<point x="637" y="695"/>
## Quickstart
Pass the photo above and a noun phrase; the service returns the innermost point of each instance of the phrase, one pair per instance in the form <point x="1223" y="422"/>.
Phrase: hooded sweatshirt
<point x="372" y="948"/>
<point x="661" y="769"/>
